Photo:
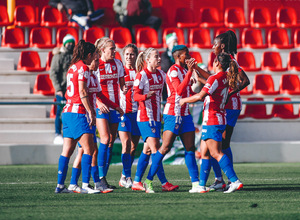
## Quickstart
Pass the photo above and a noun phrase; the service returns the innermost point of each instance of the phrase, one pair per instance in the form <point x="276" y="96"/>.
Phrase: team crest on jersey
<point x="159" y="78"/>
<point x="99" y="112"/>
<point x="113" y="68"/>
<point x="153" y="130"/>
<point x="122" y="124"/>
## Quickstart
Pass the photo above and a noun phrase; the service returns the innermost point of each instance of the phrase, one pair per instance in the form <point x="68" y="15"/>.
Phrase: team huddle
<point x="107" y="95"/>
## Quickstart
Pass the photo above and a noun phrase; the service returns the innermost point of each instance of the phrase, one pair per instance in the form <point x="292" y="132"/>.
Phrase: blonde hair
<point x="142" y="57"/>
<point x="101" y="43"/>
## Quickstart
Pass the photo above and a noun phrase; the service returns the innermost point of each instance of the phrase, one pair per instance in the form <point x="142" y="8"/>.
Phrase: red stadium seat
<point x="185" y="18"/>
<point x="109" y="19"/>
<point x="118" y="56"/>
<point x="209" y="17"/>
<point x="252" y="38"/>
<point x="286" y="17"/>
<point x="43" y="85"/>
<point x="30" y="61"/>
<point x="264" y="84"/>
<point x="53" y="110"/>
<point x="196" y="55"/>
<point x="40" y="37"/>
<point x="62" y="32"/>
<point x="14" y="38"/>
<point x="297" y="38"/>
<point x="121" y="36"/>
<point x="92" y="34"/>
<point x="200" y="38"/>
<point x="25" y="16"/>
<point x="51" y="17"/>
<point x="257" y="111"/>
<point x="245" y="91"/>
<point x="179" y="33"/>
<point x="293" y="62"/>
<point x="260" y="17"/>
<point x="234" y="17"/>
<point x="4" y="20"/>
<point x="162" y="13"/>
<point x="289" y="84"/>
<point x="246" y="60"/>
<point x="147" y="37"/>
<point x="271" y="61"/>
<point x="285" y="111"/>
<point x="278" y="38"/>
<point x="48" y="60"/>
<point x="210" y="61"/>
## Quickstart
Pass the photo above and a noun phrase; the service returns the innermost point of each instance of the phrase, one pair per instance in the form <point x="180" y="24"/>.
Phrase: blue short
<point x="232" y="116"/>
<point x="148" y="129"/>
<point x="129" y="124"/>
<point x="112" y="116"/>
<point x="94" y="136"/>
<point x="213" y="132"/>
<point x="178" y="124"/>
<point x="75" y="125"/>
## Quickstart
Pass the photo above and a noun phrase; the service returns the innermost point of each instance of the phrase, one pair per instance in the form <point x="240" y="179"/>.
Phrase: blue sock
<point x="131" y="162"/>
<point x="161" y="172"/>
<point x="228" y="153"/>
<point x="132" y="159"/>
<point x="190" y="161"/>
<point x="204" y="171"/>
<point x="63" y="163"/>
<point x="141" y="167"/>
<point x="75" y="176"/>
<point x="156" y="161"/>
<point x="102" y="153"/>
<point x="126" y="160"/>
<point x="227" y="167"/>
<point x="86" y="163"/>
<point x="108" y="159"/>
<point x="216" y="167"/>
<point x="95" y="174"/>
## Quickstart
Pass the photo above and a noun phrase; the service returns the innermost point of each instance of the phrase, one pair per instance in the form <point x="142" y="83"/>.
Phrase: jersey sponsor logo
<point x="136" y="82"/>
<point x="154" y="76"/>
<point x="113" y="76"/>
<point x="156" y="87"/>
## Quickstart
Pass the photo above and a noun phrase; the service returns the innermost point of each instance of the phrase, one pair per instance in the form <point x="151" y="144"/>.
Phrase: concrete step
<point x="26" y="124"/>
<point x="6" y="64"/>
<point x="27" y="137"/>
<point x="22" y="111"/>
<point x="25" y="98"/>
<point x="14" y="88"/>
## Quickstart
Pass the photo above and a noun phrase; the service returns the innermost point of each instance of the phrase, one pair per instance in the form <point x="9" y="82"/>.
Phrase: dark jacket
<point x="77" y="6"/>
<point x="166" y="61"/>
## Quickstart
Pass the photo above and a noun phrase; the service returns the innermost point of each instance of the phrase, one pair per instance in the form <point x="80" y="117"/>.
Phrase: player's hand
<point x="103" y="107"/>
<point x="181" y="102"/>
<point x="151" y="93"/>
<point x="190" y="64"/>
<point x="125" y="90"/>
<point x="120" y="111"/>
<point x="92" y="117"/>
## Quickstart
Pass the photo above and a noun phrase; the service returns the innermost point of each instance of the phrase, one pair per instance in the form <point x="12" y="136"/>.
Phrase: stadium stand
<point x="278" y="38"/>
<point x="147" y="37"/>
<point x="179" y="34"/>
<point x="62" y="32"/>
<point x="25" y="16"/>
<point x="255" y="110"/>
<point x="235" y="18"/>
<point x="209" y="17"/>
<point x="200" y="38"/>
<point x="92" y="34"/>
<point x="14" y="38"/>
<point x="260" y="17"/>
<point x="286" y="17"/>
<point x="289" y="84"/>
<point x="285" y="111"/>
<point x="185" y="18"/>
<point x="43" y="85"/>
<point x="41" y="37"/>
<point x="271" y="60"/>
<point x="30" y="61"/>
<point x="247" y="61"/>
<point x="264" y="84"/>
<point x="252" y="38"/>
<point x="51" y="17"/>
<point x="293" y="62"/>
<point x="121" y="36"/>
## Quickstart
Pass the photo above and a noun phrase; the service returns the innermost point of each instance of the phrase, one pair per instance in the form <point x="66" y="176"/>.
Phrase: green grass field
<point x="271" y="191"/>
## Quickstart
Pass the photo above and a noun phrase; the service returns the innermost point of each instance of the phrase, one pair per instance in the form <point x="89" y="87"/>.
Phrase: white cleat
<point x="198" y="189"/>
<point x="90" y="190"/>
<point x="77" y="189"/>
<point x="237" y="185"/>
<point x="128" y="182"/>
<point x="217" y="186"/>
<point x="58" y="140"/>
<point x="122" y="181"/>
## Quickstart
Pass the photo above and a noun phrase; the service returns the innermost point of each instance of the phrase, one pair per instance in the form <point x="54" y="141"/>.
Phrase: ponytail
<point x="81" y="51"/>
<point x="141" y="58"/>
<point x="230" y="41"/>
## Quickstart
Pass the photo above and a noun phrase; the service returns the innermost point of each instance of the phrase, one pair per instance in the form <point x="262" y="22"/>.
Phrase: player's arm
<point x="84" y="96"/>
<point x="195" y="98"/>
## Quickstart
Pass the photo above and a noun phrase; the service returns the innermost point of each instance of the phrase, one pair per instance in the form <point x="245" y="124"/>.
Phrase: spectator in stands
<point x="80" y="11"/>
<point x="59" y="68"/>
<point x="131" y="12"/>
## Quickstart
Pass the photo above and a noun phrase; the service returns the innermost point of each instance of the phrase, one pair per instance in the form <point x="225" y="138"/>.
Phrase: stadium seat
<point x="257" y="111"/>
<point x="30" y="61"/>
<point x="62" y="32"/>
<point x="118" y="56"/>
<point x="162" y="13"/>
<point x="43" y="85"/>
<point x="51" y="17"/>
<point x="293" y="62"/>
<point x="121" y="36"/>
<point x="109" y="19"/>
<point x="92" y="34"/>
<point x="147" y="37"/>
<point x="209" y="17"/>
<point x="264" y="84"/>
<point x="286" y="17"/>
<point x="285" y="111"/>
<point x="260" y="17"/>
<point x="196" y="55"/>
<point x="252" y="38"/>
<point x="271" y="61"/>
<point x="246" y="60"/>
<point x="185" y="18"/>
<point x="289" y="84"/>
<point x="200" y="38"/>
<point x="234" y="17"/>
<point x="297" y="38"/>
<point x="14" y="38"/>
<point x="48" y="60"/>
<point x="245" y="91"/>
<point x="278" y="38"/>
<point x="4" y="20"/>
<point x="179" y="33"/>
<point x="223" y="30"/>
<point x="41" y="37"/>
<point x="25" y="16"/>
<point x="210" y="61"/>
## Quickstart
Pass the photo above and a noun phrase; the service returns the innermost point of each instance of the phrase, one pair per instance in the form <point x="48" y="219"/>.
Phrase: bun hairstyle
<point x="101" y="43"/>
<point x="81" y="51"/>
<point x="142" y="57"/>
<point x="229" y="40"/>
<point x="231" y="67"/>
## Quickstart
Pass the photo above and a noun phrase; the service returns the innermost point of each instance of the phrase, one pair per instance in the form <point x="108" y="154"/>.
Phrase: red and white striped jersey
<point x="235" y="101"/>
<point x="93" y="88"/>
<point x="145" y="81"/>
<point x="109" y="74"/>
<point x="77" y="72"/>
<point x="127" y="103"/>
<point x="213" y="109"/>
<point x="178" y="86"/>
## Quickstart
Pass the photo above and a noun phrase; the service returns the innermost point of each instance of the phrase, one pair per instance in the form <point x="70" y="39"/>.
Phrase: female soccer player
<point x="214" y="94"/>
<point x="227" y="42"/>
<point x="111" y="77"/>
<point x="147" y="88"/>
<point x="78" y="116"/>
